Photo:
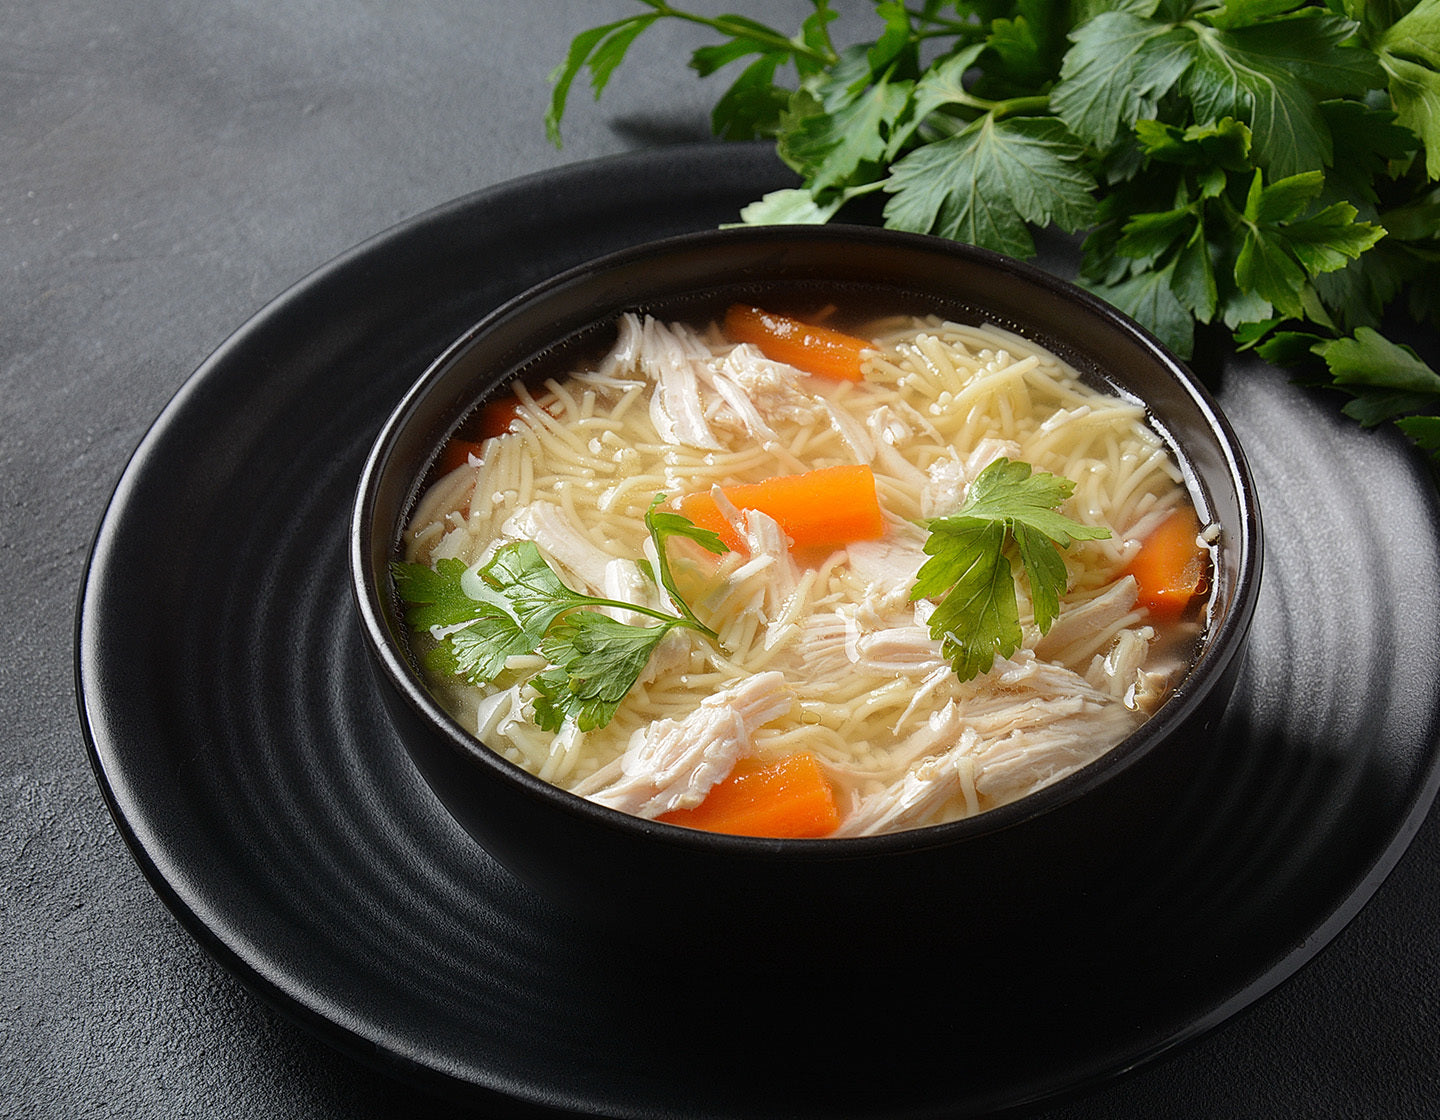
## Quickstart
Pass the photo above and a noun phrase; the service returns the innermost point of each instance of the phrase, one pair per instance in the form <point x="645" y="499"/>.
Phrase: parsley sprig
<point x="520" y="606"/>
<point x="1267" y="167"/>
<point x="1008" y="511"/>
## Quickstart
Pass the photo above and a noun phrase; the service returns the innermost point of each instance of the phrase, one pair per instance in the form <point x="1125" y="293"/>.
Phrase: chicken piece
<point x="697" y="392"/>
<point x="672" y="764"/>
<point x="1084" y="629"/>
<point x="559" y="539"/>
<point x="1043" y="721"/>
<point x="669" y="356"/>
<point x="946" y="771"/>
<point x="886" y="569"/>
<point x="1117" y="672"/>
<point x="1037" y="724"/>
<point x="625" y="583"/>
<point x="949" y="480"/>
<point x="762" y="392"/>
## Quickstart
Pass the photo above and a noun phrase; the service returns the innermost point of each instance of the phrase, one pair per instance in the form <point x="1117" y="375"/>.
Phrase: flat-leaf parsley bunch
<point x="1267" y="166"/>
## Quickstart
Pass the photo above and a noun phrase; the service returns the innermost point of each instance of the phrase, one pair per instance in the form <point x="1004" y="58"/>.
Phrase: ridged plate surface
<point x="245" y="757"/>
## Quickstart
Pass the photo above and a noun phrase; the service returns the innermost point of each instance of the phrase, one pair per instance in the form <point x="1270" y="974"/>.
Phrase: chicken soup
<point x="785" y="575"/>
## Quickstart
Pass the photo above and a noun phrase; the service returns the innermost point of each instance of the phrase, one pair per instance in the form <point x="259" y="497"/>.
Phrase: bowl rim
<point x="1224" y="643"/>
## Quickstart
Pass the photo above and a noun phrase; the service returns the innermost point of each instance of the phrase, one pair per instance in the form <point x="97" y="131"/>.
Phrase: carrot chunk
<point x="818" y="509"/>
<point x="1171" y="568"/>
<point x="790" y="797"/>
<point x="493" y="418"/>
<point x="814" y="349"/>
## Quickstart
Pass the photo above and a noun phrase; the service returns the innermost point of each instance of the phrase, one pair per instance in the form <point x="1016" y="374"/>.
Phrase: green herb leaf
<point x="599" y="659"/>
<point x="477" y="633"/>
<point x="1249" y="163"/>
<point x="517" y="604"/>
<point x="1281" y="251"/>
<point x="1409" y="51"/>
<point x="662" y="525"/>
<point x="790" y="206"/>
<point x="1272" y="75"/>
<point x="1150" y="297"/>
<point x="1114" y="75"/>
<point x="1424" y="430"/>
<point x="1386" y="379"/>
<point x="986" y="183"/>
<point x="434" y="597"/>
<point x="970" y="570"/>
<point x="834" y="147"/>
<point x="600" y="50"/>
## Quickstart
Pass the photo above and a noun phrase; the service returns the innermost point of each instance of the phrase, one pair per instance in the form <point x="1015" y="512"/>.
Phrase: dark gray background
<point x="166" y="168"/>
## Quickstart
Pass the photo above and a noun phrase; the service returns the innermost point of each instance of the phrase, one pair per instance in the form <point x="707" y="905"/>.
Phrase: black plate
<point x="235" y="735"/>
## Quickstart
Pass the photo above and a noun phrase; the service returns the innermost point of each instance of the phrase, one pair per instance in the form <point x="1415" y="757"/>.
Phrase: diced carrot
<point x="820" y="508"/>
<point x="817" y="350"/>
<point x="493" y="418"/>
<point x="1171" y="568"/>
<point x="790" y="797"/>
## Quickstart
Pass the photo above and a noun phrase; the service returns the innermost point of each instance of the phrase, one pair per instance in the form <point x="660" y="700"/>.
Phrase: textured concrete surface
<point x="166" y="168"/>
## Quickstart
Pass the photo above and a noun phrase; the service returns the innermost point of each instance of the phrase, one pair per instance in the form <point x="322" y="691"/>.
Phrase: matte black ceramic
<point x="1040" y="857"/>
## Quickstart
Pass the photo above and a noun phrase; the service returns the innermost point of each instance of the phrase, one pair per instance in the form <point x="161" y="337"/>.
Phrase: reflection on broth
<point x="813" y="695"/>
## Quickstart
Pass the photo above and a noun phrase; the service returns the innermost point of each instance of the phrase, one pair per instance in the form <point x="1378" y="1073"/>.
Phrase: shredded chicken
<point x="557" y="536"/>
<point x="1084" y="629"/>
<point x="625" y="583"/>
<point x="697" y="392"/>
<point x="942" y="775"/>
<point x="948" y="480"/>
<point x="886" y="568"/>
<point x="774" y="390"/>
<point x="1041" y="722"/>
<point x="674" y="763"/>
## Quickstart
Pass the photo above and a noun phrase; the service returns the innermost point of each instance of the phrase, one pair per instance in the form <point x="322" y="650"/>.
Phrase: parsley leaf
<point x="987" y="183"/>
<point x="1282" y="247"/>
<point x="1115" y="73"/>
<point x="1272" y="74"/>
<point x="848" y="132"/>
<point x="600" y="660"/>
<point x="971" y="572"/>
<point x="1385" y="379"/>
<point x="479" y="629"/>
<point x="1266" y="165"/>
<point x="599" y="50"/>
<point x="517" y="604"/>
<point x="1409" y="51"/>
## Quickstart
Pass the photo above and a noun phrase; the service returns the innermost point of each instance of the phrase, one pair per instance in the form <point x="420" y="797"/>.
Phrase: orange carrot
<point x="1170" y="567"/>
<point x="790" y="797"/>
<point x="820" y="508"/>
<point x="816" y="350"/>
<point x="493" y="418"/>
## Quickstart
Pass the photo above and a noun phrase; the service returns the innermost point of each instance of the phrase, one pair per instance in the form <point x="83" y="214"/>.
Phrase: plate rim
<point x="310" y="1015"/>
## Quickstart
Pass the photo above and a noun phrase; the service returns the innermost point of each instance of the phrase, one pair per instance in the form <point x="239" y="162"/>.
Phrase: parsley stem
<point x="936" y="26"/>
<point x="668" y="582"/>
<point x="1007" y="107"/>
<point x="747" y="30"/>
<point x="688" y="620"/>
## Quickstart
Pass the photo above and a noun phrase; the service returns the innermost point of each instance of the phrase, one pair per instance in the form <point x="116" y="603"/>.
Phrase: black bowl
<point x="1032" y="860"/>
